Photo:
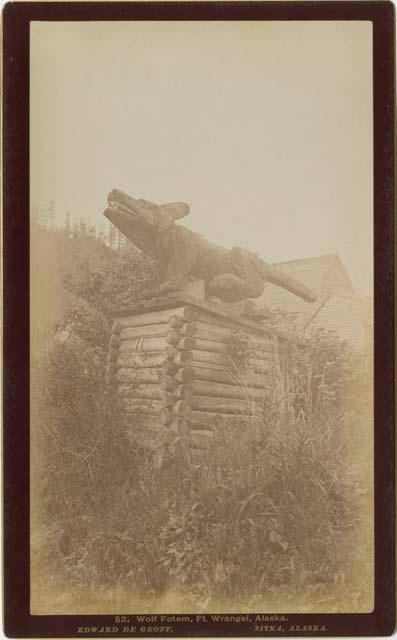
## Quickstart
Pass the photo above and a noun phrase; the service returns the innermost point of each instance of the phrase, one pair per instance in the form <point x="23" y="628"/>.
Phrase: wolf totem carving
<point x="229" y="275"/>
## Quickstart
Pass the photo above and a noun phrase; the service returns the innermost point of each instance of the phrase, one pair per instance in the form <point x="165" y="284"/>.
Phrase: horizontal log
<point x="169" y="368"/>
<point x="188" y="329"/>
<point x="186" y="343"/>
<point x="168" y="383"/>
<point x="179" y="357"/>
<point x="208" y="345"/>
<point x="178" y="374"/>
<point x="153" y="330"/>
<point x="221" y="391"/>
<point x="212" y="333"/>
<point x="147" y="391"/>
<point x="142" y="360"/>
<point x="181" y="409"/>
<point x="196" y="433"/>
<point x="180" y="342"/>
<point x="217" y="362"/>
<point x="211" y="358"/>
<point x="150" y="375"/>
<point x="150" y="317"/>
<point x="226" y="376"/>
<point x="258" y="365"/>
<point x="253" y="348"/>
<point x="210" y="365"/>
<point x="183" y="392"/>
<point x="224" y="405"/>
<point x="176" y="322"/>
<point x="167" y="398"/>
<point x="209" y="374"/>
<point x="141" y="405"/>
<point x="210" y="420"/>
<point x="225" y="362"/>
<point x="205" y="424"/>
<point x="207" y="331"/>
<point x="173" y="337"/>
<point x="185" y="375"/>
<point x="145" y="344"/>
<point x="220" y="364"/>
<point x="194" y="314"/>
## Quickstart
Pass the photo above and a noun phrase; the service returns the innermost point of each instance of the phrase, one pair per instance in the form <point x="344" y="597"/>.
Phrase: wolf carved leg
<point x="231" y="288"/>
<point x="179" y="267"/>
<point x="246" y="281"/>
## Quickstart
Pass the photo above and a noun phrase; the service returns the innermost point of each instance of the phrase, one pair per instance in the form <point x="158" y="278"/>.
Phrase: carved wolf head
<point x="142" y="221"/>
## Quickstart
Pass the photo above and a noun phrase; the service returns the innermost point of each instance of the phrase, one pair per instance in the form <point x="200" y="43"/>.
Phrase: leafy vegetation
<point x="274" y="515"/>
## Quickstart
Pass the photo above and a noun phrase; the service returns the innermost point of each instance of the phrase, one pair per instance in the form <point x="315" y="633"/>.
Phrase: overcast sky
<point x="264" y="128"/>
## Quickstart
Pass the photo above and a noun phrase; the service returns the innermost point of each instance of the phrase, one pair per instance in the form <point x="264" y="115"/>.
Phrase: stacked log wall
<point x="173" y="372"/>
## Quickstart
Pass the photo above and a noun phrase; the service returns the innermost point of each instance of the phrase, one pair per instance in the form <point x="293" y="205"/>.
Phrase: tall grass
<point x="272" y="516"/>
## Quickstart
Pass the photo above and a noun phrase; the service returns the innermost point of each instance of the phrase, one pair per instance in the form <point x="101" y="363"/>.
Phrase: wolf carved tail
<point x="281" y="279"/>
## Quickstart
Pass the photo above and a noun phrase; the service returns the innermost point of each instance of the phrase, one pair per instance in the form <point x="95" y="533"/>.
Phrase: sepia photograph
<point x="201" y="291"/>
<point x="198" y="324"/>
<point x="198" y="366"/>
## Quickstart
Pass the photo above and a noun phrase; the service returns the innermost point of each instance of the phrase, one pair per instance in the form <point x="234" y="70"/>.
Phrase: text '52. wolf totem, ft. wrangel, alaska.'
<point x="163" y="624"/>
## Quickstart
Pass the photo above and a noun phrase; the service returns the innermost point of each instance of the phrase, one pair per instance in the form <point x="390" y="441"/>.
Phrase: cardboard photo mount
<point x="18" y="621"/>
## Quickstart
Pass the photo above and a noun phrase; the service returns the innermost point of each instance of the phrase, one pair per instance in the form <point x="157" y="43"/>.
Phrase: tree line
<point x="49" y="218"/>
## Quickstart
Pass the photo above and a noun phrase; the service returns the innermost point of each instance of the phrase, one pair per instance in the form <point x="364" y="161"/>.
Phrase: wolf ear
<point x="176" y="210"/>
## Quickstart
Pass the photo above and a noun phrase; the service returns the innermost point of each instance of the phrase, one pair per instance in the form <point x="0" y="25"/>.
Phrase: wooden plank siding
<point x="338" y="309"/>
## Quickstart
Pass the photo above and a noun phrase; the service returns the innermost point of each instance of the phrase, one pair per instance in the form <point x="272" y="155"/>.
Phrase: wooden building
<point x="338" y="308"/>
<point x="170" y="360"/>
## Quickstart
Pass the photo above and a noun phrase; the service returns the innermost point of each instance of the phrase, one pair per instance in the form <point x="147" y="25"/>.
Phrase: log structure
<point x="171" y="363"/>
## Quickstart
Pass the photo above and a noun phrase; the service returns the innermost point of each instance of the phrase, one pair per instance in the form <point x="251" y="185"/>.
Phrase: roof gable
<point x="336" y="278"/>
<point x="323" y="274"/>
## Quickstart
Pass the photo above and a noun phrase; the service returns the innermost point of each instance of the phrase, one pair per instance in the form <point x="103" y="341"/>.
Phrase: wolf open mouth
<point x="159" y="216"/>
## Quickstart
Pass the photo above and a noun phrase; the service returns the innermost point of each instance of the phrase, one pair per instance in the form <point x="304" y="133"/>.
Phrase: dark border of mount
<point x="16" y="579"/>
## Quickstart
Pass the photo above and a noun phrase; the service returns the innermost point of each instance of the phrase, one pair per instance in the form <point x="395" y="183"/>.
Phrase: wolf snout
<point x="115" y="195"/>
